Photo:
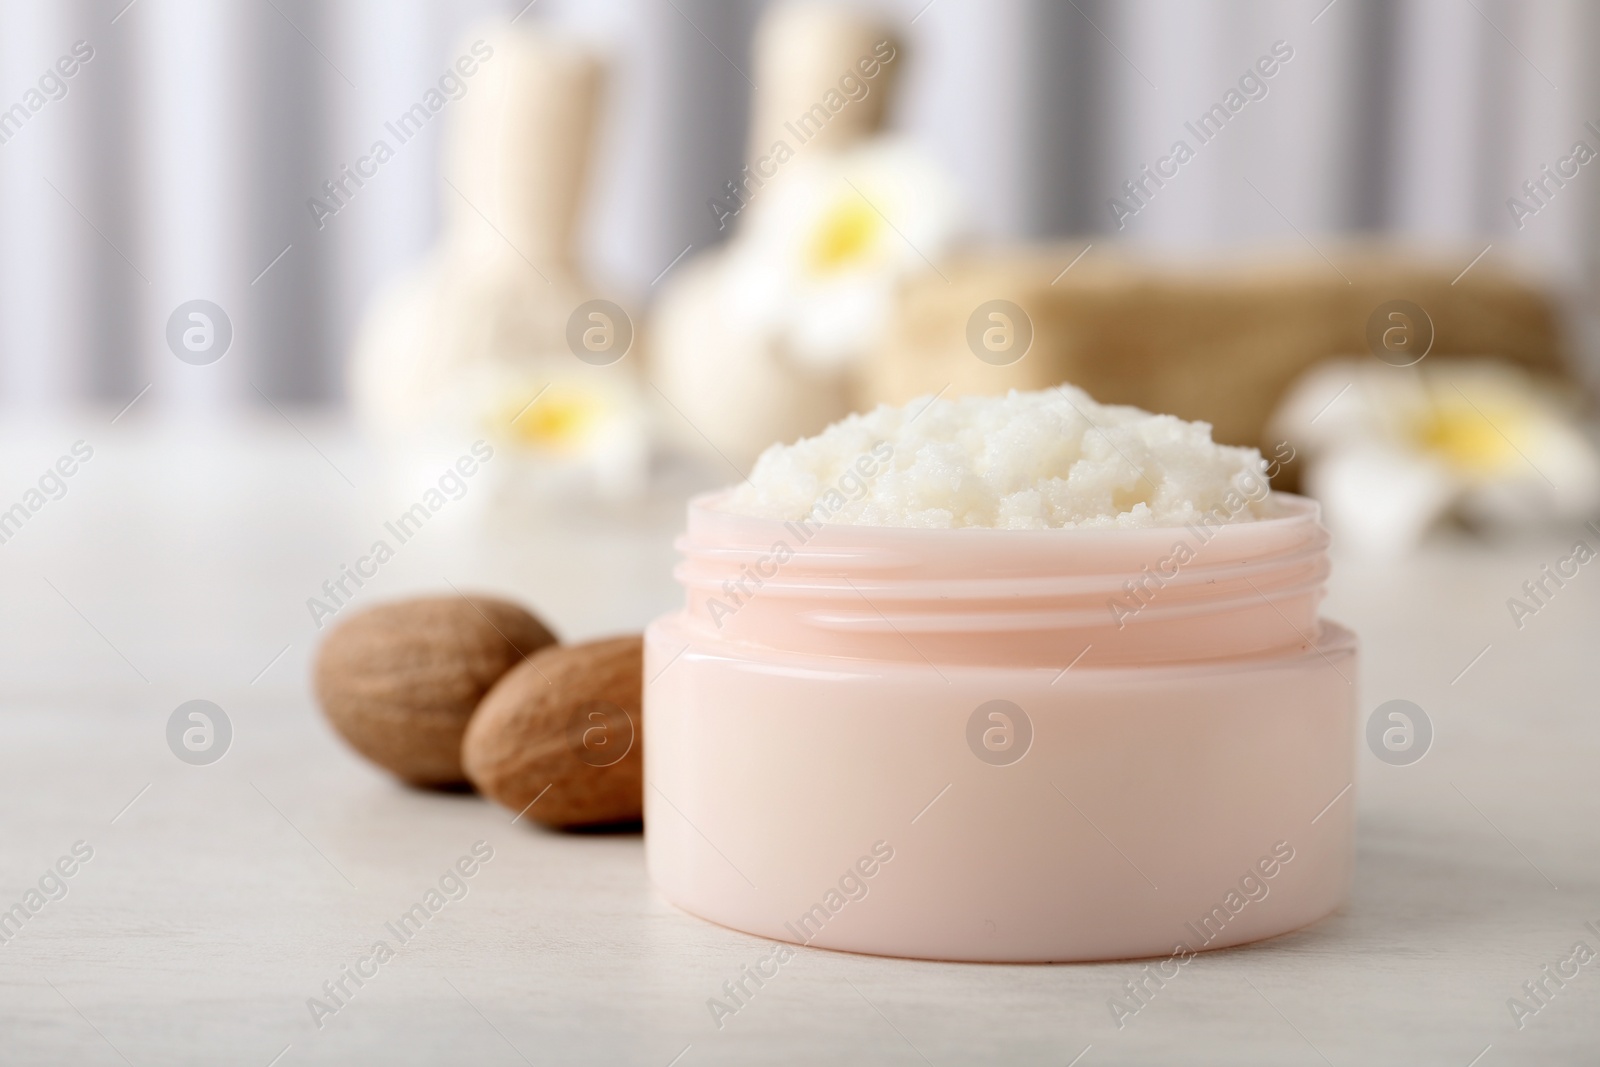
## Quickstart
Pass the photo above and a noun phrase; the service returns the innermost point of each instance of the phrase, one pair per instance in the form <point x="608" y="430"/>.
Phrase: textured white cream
<point x="1025" y="461"/>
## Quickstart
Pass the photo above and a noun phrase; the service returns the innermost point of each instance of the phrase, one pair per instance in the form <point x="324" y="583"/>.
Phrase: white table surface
<point x="177" y="567"/>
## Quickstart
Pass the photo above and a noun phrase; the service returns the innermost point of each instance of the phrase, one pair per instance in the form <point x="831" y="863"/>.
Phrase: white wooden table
<point x="220" y="898"/>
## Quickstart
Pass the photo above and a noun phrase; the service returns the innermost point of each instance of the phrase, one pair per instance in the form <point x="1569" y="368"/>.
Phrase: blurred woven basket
<point x="1219" y="341"/>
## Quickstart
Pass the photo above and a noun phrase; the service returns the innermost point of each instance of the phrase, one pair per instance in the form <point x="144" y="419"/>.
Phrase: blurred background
<point x="179" y="162"/>
<point x="635" y="242"/>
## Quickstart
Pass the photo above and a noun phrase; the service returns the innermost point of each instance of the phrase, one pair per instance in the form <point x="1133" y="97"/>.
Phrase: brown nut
<point x="564" y="729"/>
<point x="400" y="681"/>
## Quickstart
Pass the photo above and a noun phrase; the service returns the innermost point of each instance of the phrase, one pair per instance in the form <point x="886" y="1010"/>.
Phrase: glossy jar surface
<point x="1002" y="745"/>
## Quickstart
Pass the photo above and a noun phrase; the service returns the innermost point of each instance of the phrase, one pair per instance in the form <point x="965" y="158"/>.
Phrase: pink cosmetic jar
<point x="1002" y="745"/>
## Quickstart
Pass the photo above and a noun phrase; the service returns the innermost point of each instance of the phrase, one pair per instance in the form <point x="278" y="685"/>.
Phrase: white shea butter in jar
<point x="1000" y="618"/>
<point x="1052" y="459"/>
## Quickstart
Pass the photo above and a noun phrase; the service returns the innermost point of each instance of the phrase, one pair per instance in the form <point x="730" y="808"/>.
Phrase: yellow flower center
<point x="1465" y="438"/>
<point x="558" y="422"/>
<point x="847" y="235"/>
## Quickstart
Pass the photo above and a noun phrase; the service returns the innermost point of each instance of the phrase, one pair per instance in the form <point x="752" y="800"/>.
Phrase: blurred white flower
<point x="1391" y="451"/>
<point x="455" y="350"/>
<point x="563" y="427"/>
<point x="827" y="241"/>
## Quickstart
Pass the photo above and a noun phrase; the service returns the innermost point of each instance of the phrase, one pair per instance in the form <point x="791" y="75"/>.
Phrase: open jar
<point x="1002" y="745"/>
